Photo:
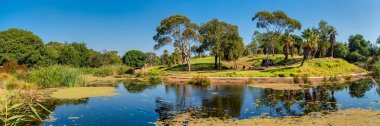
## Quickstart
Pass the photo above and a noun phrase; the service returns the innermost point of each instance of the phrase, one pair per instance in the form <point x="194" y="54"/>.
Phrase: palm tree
<point x="311" y="42"/>
<point x="287" y="42"/>
<point x="332" y="32"/>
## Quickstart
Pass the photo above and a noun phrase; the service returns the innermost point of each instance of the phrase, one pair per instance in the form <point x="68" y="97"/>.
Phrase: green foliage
<point x="179" y="31"/>
<point x="200" y="81"/>
<point x="376" y="69"/>
<point x="134" y="58"/>
<point x="359" y="48"/>
<point x="21" y="46"/>
<point x="112" y="70"/>
<point x="57" y="76"/>
<point x="152" y="59"/>
<point x="340" y="50"/>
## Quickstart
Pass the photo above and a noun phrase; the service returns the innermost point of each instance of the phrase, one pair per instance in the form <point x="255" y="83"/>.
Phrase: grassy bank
<point x="314" y="67"/>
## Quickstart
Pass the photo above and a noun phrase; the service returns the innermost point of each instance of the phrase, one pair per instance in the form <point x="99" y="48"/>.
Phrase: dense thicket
<point x="24" y="47"/>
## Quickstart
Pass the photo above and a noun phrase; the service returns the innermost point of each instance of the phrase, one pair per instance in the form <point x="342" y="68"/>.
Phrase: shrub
<point x="333" y="79"/>
<point x="200" y="81"/>
<point x="376" y="69"/>
<point x="154" y="80"/>
<point x="305" y="78"/>
<point x="112" y="70"/>
<point x="104" y="71"/>
<point x="296" y="78"/>
<point x="9" y="82"/>
<point x="57" y="76"/>
<point x="12" y="67"/>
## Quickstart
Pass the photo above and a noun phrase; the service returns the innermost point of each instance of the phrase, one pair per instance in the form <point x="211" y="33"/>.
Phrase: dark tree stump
<point x="270" y="62"/>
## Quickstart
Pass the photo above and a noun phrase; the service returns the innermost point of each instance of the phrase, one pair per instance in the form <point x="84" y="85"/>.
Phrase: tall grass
<point x="8" y="81"/>
<point x="57" y="76"/>
<point x="200" y="81"/>
<point x="19" y="107"/>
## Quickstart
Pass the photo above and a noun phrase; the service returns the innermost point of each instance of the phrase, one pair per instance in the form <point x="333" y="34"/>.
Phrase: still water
<point x="143" y="105"/>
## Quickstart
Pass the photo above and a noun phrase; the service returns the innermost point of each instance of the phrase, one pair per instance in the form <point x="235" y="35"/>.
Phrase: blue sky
<point x="123" y="25"/>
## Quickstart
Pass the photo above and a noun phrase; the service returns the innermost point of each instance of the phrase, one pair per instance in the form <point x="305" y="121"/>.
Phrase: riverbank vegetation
<point x="209" y="49"/>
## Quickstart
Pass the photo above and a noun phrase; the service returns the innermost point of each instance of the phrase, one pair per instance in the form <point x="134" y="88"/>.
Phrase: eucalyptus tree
<point x="323" y="36"/>
<point x="213" y="32"/>
<point x="275" y="23"/>
<point x="287" y="42"/>
<point x="332" y="33"/>
<point x="378" y="40"/>
<point x="233" y="45"/>
<point x="311" y="42"/>
<point x="179" y="31"/>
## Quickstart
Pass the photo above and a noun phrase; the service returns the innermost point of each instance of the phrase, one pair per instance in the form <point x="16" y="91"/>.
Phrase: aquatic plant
<point x="57" y="76"/>
<point x="19" y="107"/>
<point x="200" y="81"/>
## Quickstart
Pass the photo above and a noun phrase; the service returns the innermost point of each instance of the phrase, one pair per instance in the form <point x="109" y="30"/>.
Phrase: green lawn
<point x="314" y="67"/>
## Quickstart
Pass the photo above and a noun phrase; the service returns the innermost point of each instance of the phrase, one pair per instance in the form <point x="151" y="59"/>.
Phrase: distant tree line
<point x="24" y="47"/>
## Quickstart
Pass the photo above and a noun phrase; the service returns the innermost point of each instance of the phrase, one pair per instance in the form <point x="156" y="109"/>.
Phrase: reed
<point x="200" y="81"/>
<point x="57" y="76"/>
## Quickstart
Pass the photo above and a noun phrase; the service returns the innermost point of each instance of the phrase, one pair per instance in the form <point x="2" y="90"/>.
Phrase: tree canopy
<point x="135" y="58"/>
<point x="179" y="31"/>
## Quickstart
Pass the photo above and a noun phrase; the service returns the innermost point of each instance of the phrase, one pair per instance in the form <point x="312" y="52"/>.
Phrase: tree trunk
<point x="306" y="54"/>
<point x="268" y="58"/>
<point x="292" y="51"/>
<point x="220" y="64"/>
<point x="332" y="49"/>
<point x="286" y="52"/>
<point x="188" y="63"/>
<point x="216" y="62"/>
<point x="183" y="58"/>
<point x="299" y="50"/>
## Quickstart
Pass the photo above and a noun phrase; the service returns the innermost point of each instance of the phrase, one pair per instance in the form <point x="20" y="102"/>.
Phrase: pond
<point x="143" y="105"/>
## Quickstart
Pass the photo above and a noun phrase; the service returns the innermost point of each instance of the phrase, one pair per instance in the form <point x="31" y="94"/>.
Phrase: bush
<point x="200" y="81"/>
<point x="376" y="69"/>
<point x="154" y="80"/>
<point x="13" y="67"/>
<point x="57" y="76"/>
<point x="305" y="78"/>
<point x="104" y="71"/>
<point x="113" y="70"/>
<point x="9" y="82"/>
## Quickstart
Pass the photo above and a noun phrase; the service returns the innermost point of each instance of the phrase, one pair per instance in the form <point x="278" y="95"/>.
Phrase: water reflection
<point x="139" y="103"/>
<point x="227" y="100"/>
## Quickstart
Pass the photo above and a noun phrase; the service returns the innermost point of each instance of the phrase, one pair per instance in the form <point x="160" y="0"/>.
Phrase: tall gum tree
<point x="213" y="32"/>
<point x="179" y="31"/>
<point x="275" y="23"/>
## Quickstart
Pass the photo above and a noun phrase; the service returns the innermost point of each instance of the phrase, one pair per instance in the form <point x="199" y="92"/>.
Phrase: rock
<point x="270" y="62"/>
